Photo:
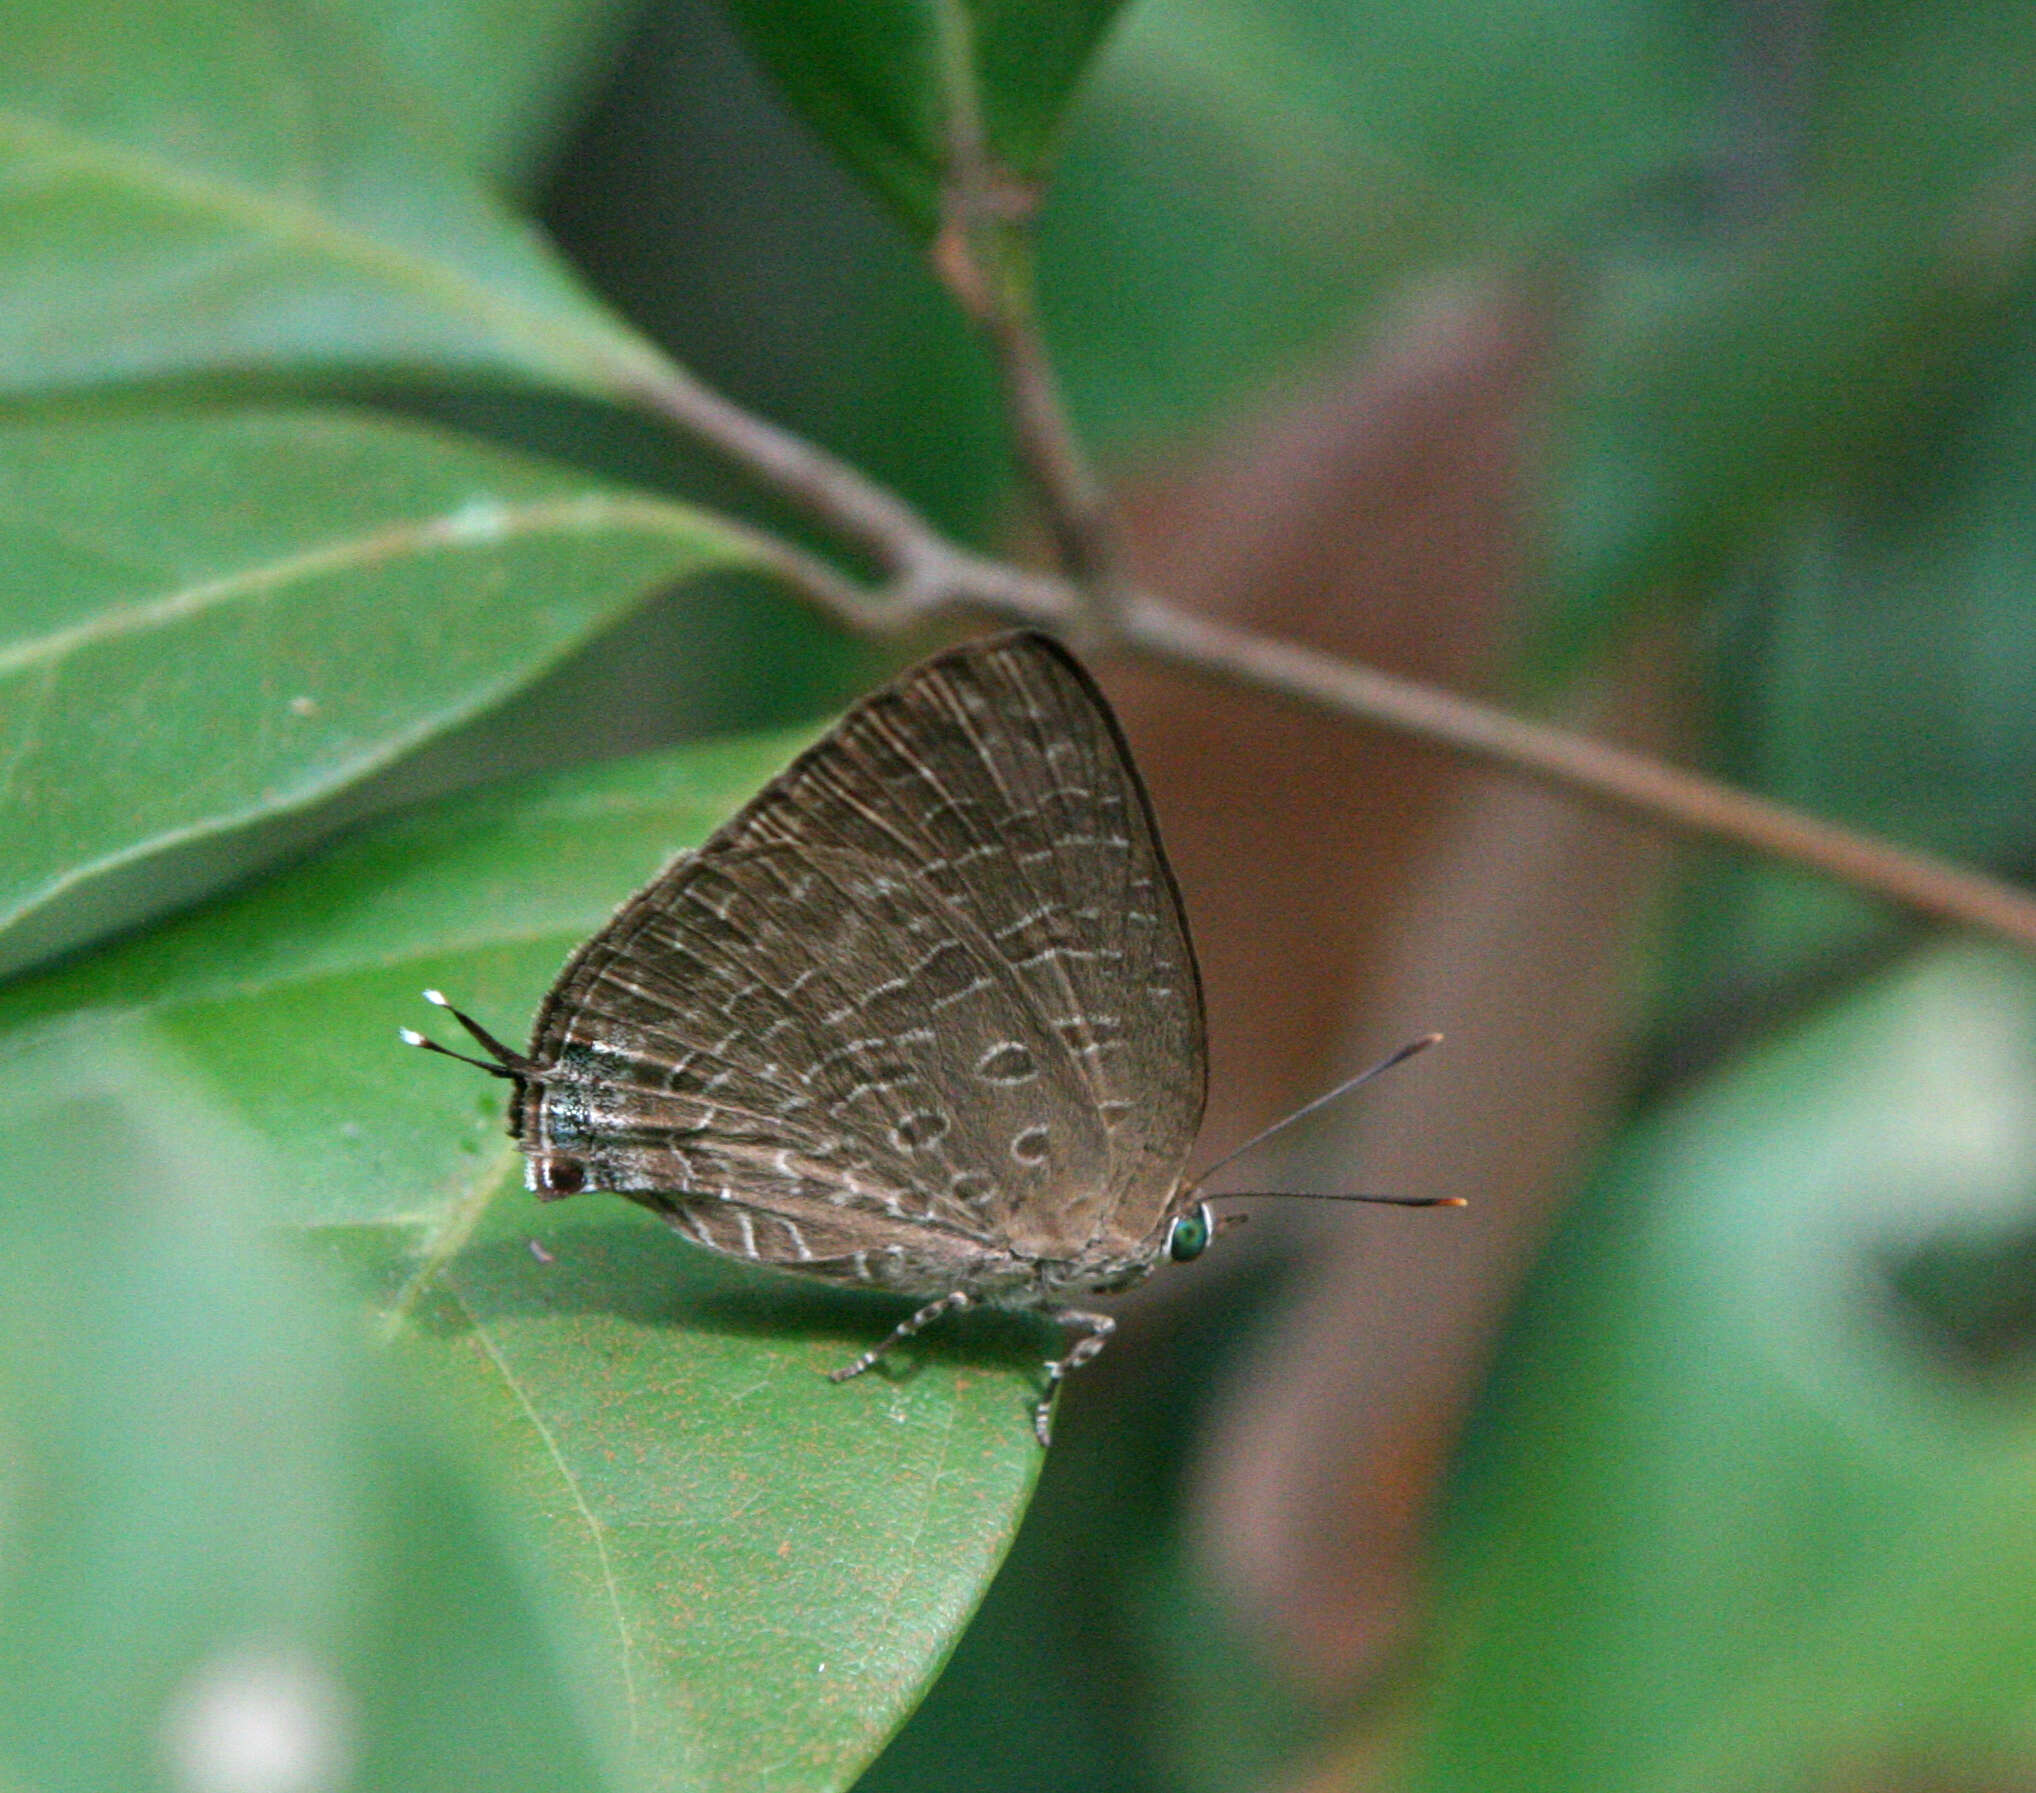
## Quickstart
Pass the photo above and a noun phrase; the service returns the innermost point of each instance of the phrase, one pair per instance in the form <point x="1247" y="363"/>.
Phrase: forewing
<point x="801" y="1024"/>
<point x="942" y="953"/>
<point x="997" y="774"/>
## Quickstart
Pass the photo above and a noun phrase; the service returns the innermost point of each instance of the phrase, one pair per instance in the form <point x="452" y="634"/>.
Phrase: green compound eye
<point x="1190" y="1235"/>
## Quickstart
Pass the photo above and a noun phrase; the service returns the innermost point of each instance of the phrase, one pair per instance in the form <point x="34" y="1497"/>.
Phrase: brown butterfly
<point x="924" y="1016"/>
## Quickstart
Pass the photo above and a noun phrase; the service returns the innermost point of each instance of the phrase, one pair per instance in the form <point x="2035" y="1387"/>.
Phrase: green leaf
<point x="754" y="255"/>
<point x="1176" y="1690"/>
<point x="500" y="75"/>
<point x="1915" y="597"/>
<point x="772" y="1567"/>
<point x="233" y="1552"/>
<point x="1749" y="1513"/>
<point x="1912" y="594"/>
<point x="208" y="186"/>
<point x="886" y="82"/>
<point x="1246" y="177"/>
<point x="284" y="603"/>
<point x="1732" y="378"/>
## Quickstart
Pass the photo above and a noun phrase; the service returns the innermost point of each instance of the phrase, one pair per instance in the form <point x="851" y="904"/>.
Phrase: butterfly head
<point x="551" y="1174"/>
<point x="1189" y="1234"/>
<point x="1190" y="1224"/>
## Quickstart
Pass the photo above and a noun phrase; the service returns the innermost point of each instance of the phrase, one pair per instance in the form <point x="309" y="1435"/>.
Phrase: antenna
<point x="1342" y="1089"/>
<point x="501" y="1062"/>
<point x="1320" y="1195"/>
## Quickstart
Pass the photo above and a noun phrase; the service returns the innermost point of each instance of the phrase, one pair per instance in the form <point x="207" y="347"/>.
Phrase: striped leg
<point x="1100" y="1327"/>
<point x="955" y="1303"/>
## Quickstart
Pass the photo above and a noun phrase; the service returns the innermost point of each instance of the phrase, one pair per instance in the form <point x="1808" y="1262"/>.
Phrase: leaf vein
<point x="595" y="1529"/>
<point x="465" y="528"/>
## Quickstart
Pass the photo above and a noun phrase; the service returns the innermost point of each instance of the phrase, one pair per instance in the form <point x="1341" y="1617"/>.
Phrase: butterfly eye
<point x="559" y="1176"/>
<point x="1190" y="1235"/>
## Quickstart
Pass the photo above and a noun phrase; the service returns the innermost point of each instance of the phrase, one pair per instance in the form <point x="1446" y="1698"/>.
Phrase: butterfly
<point x="924" y="1016"/>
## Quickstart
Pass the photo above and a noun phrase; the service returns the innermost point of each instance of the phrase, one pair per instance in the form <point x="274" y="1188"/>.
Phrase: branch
<point x="926" y="575"/>
<point x="855" y="507"/>
<point x="985" y="256"/>
<point x="1069" y="495"/>
<point x="1647" y="788"/>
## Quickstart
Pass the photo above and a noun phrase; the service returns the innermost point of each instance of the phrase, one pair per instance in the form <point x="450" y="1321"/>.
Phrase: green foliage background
<point x="321" y="496"/>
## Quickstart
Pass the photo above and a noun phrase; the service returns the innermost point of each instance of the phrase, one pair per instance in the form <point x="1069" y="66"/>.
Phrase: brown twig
<point x="1070" y="496"/>
<point x="984" y="255"/>
<point x="857" y="509"/>
<point x="1644" y="787"/>
<point x="924" y="574"/>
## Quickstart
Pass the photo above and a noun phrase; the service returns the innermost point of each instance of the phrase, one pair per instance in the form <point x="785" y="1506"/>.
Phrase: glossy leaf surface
<point x="501" y="76"/>
<point x="284" y="603"/>
<point x="221" y="186"/>
<point x="238" y="1553"/>
<point x="889" y="82"/>
<point x="771" y="1566"/>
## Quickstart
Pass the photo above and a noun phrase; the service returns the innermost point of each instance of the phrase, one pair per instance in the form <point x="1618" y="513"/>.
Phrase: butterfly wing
<point x="936" y="973"/>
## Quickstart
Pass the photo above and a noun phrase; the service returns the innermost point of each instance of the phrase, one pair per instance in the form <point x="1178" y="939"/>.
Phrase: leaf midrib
<point x="452" y="531"/>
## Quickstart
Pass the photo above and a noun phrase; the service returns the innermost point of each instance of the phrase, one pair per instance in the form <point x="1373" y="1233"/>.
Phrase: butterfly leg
<point x="1080" y="1352"/>
<point x="956" y="1302"/>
